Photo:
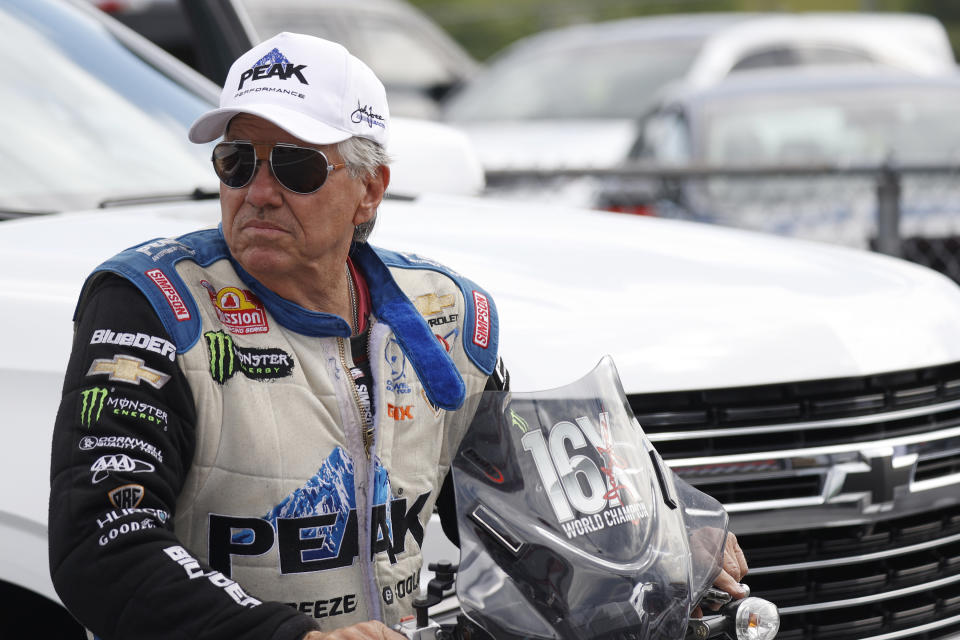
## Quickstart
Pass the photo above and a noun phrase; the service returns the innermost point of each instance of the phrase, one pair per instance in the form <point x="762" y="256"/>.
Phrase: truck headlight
<point x="757" y="619"/>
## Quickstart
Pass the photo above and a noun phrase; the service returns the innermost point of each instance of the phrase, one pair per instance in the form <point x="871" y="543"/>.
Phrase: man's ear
<point x="376" y="185"/>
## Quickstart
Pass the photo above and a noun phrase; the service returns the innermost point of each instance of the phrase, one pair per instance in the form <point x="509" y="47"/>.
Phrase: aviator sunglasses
<point x="299" y="169"/>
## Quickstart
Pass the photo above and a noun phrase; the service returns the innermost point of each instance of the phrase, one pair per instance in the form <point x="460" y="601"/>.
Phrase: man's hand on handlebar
<point x="734" y="568"/>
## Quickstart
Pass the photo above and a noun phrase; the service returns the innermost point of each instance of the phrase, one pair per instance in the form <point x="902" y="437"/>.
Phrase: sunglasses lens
<point x="299" y="169"/>
<point x="234" y="163"/>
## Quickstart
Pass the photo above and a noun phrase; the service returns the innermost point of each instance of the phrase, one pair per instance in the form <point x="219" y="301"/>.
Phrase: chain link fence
<point x="911" y="212"/>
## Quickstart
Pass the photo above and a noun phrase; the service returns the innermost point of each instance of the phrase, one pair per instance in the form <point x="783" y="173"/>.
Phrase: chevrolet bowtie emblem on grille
<point x="125" y="368"/>
<point x="879" y="474"/>
<point x="432" y="304"/>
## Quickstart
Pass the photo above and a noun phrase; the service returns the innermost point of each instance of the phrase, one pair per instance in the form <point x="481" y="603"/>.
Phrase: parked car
<point x="415" y="58"/>
<point x="569" y="97"/>
<point x="813" y="389"/>
<point x="807" y="117"/>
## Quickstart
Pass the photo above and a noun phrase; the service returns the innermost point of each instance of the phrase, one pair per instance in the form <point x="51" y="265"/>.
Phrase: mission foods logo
<point x="240" y="311"/>
<point x="227" y="359"/>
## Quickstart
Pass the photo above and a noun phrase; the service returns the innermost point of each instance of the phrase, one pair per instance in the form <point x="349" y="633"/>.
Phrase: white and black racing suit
<point x="227" y="464"/>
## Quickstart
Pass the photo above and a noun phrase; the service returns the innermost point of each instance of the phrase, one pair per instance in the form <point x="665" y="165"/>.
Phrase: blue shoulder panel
<point x="150" y="267"/>
<point x="481" y="334"/>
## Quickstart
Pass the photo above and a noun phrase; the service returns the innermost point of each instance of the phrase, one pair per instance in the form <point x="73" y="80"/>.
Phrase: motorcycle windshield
<point x="571" y="526"/>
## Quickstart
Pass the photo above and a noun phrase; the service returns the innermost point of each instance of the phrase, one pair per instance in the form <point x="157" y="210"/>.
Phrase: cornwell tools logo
<point x="226" y="359"/>
<point x="124" y="368"/>
<point x="273" y="65"/>
<point x="240" y="311"/>
<point x="95" y="399"/>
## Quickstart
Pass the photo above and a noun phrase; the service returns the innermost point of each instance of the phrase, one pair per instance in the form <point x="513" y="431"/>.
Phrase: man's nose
<point x="264" y="190"/>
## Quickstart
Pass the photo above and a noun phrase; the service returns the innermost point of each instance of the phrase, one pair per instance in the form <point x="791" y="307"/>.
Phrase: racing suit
<point x="216" y="470"/>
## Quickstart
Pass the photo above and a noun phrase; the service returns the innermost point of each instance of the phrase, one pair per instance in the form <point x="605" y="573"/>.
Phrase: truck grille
<point x="844" y="493"/>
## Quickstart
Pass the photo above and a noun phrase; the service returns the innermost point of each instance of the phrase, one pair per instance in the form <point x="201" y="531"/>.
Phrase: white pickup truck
<point x="815" y="390"/>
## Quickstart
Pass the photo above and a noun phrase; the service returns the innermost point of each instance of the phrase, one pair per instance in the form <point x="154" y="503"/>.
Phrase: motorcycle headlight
<point x="757" y="619"/>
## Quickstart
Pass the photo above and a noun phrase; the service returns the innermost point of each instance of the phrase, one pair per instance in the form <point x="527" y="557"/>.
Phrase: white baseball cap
<point x="312" y="88"/>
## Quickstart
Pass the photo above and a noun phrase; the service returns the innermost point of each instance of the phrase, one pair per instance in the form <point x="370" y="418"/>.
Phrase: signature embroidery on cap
<point x="366" y="113"/>
<point x="274" y="64"/>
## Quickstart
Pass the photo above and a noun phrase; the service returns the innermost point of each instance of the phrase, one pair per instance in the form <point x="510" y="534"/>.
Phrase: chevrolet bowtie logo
<point x="128" y="369"/>
<point x="432" y="304"/>
<point x="880" y="474"/>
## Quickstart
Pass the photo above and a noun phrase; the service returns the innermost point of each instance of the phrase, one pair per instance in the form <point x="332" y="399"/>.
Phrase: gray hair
<point x="363" y="157"/>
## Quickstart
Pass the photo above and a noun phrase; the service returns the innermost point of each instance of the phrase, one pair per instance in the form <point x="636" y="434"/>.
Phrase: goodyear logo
<point x="227" y="359"/>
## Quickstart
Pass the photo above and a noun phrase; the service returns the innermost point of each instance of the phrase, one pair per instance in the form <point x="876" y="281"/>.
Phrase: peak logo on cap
<point x="274" y="64"/>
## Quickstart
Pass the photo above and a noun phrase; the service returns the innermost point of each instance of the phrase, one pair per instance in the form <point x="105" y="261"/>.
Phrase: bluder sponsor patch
<point x="176" y="303"/>
<point x="227" y="359"/>
<point x="139" y="340"/>
<point x="193" y="569"/>
<point x="94" y="400"/>
<point x="124" y="368"/>
<point x="239" y="310"/>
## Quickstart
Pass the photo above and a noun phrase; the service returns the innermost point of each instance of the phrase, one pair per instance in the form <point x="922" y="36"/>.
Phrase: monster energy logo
<point x="91" y="405"/>
<point x="517" y="420"/>
<point x="226" y="359"/>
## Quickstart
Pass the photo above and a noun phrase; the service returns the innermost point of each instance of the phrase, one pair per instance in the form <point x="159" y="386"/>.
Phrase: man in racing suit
<point x="258" y="419"/>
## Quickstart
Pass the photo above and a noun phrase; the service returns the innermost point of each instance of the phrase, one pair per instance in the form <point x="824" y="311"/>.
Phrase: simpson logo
<point x="176" y="303"/>
<point x="240" y="311"/>
<point x="481" y="325"/>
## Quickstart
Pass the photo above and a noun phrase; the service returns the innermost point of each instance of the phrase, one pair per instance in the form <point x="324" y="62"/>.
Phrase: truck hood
<point x="550" y="144"/>
<point x="678" y="305"/>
